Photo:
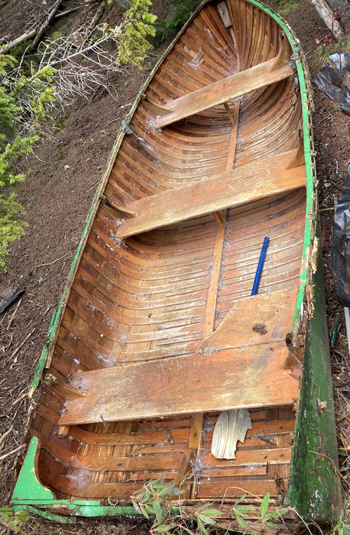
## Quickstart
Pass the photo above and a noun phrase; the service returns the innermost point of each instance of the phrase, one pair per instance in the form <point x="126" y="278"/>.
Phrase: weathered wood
<point x="64" y="390"/>
<point x="229" y="88"/>
<point x="224" y="14"/>
<point x="21" y="39"/>
<point x="259" y="319"/>
<point x="253" y="378"/>
<point x="139" y="308"/>
<point x="232" y="188"/>
<point x="327" y="15"/>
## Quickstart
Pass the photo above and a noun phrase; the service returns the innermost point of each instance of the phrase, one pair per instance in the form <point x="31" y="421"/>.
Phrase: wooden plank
<point x="250" y="457"/>
<point x="229" y="88"/>
<point x="232" y="188"/>
<point x="224" y="380"/>
<point x="235" y="487"/>
<point x="255" y="320"/>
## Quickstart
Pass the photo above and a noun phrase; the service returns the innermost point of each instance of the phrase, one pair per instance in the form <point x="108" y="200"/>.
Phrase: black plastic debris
<point x="341" y="247"/>
<point x="4" y="305"/>
<point x="334" y="80"/>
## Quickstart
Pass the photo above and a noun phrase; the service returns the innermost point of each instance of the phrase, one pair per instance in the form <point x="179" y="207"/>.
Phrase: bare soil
<point x="63" y="175"/>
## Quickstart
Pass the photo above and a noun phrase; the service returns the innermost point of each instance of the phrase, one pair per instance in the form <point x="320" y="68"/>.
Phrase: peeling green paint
<point x="44" y="514"/>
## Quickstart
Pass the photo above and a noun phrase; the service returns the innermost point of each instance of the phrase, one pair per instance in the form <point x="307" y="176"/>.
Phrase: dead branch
<point x="3" y="437"/>
<point x="63" y="13"/>
<point x="22" y="344"/>
<point x="11" y="452"/>
<point x="15" y="312"/>
<point x="98" y="16"/>
<point x="327" y="15"/>
<point x="24" y="37"/>
<point x="50" y="264"/>
<point x="45" y="24"/>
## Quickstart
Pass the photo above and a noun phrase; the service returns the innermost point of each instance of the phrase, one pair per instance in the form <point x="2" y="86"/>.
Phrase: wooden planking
<point x="255" y="320"/>
<point x="237" y="487"/>
<point x="229" y="88"/>
<point x="233" y="188"/>
<point x="250" y="457"/>
<point x="130" y="393"/>
<point x="138" y="288"/>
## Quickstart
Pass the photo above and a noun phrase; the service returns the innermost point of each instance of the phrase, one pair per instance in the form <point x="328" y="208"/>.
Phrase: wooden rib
<point x="233" y="140"/>
<point x="233" y="188"/>
<point x="218" y="218"/>
<point x="230" y="88"/>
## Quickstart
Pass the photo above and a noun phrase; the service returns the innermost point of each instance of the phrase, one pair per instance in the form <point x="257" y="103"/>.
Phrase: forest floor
<point x="63" y="175"/>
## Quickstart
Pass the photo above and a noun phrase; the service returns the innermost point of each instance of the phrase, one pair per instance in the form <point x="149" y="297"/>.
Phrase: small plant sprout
<point x="12" y="521"/>
<point x="205" y="516"/>
<point x="269" y="520"/>
<point x="154" y="499"/>
<point x="343" y="526"/>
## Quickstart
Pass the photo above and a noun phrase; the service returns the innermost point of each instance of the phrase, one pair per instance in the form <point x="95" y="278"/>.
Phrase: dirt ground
<point x="62" y="177"/>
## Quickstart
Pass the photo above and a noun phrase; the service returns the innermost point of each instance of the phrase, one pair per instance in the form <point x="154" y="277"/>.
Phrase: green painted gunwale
<point x="306" y="464"/>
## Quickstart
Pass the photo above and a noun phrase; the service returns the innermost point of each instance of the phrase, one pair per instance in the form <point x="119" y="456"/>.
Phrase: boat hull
<point x="150" y="300"/>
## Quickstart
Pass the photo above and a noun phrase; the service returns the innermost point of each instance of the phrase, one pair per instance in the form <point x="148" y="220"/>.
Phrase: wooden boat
<point x="157" y="331"/>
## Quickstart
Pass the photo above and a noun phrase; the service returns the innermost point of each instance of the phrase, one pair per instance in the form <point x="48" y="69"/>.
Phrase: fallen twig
<point x="21" y="39"/>
<point x="338" y="353"/>
<point x="51" y="263"/>
<point x="63" y="13"/>
<point x="13" y="315"/>
<point x="22" y="344"/>
<point x="8" y="345"/>
<point x="11" y="452"/>
<point x="6" y="434"/>
<point x="20" y="398"/>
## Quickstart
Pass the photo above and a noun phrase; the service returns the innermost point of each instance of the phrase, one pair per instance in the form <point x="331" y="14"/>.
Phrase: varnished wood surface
<point x="233" y="188"/>
<point x="228" y="379"/>
<point x="229" y="88"/>
<point x="253" y="321"/>
<point x="153" y="298"/>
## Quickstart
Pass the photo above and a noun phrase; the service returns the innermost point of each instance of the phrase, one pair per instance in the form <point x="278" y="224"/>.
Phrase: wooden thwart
<point x="224" y="380"/>
<point x="232" y="188"/>
<point x="220" y="92"/>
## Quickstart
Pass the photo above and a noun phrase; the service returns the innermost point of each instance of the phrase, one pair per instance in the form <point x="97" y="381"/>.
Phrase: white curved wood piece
<point x="230" y="427"/>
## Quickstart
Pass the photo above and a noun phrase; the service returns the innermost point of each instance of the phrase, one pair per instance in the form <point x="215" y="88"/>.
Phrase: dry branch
<point x="327" y="15"/>
<point x="37" y="33"/>
<point x="11" y="452"/>
<point x="45" y="24"/>
<point x="63" y="13"/>
<point x="22" y="344"/>
<point x="24" y="37"/>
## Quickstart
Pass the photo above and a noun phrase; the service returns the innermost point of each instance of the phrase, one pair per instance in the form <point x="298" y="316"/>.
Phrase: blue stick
<point x="260" y="267"/>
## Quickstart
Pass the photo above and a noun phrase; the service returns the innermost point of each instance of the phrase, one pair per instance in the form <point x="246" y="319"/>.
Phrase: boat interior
<point x="160" y="332"/>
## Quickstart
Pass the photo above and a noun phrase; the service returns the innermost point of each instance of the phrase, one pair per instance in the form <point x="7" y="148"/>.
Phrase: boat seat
<point x="231" y="370"/>
<point x="239" y="186"/>
<point x="220" y="92"/>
